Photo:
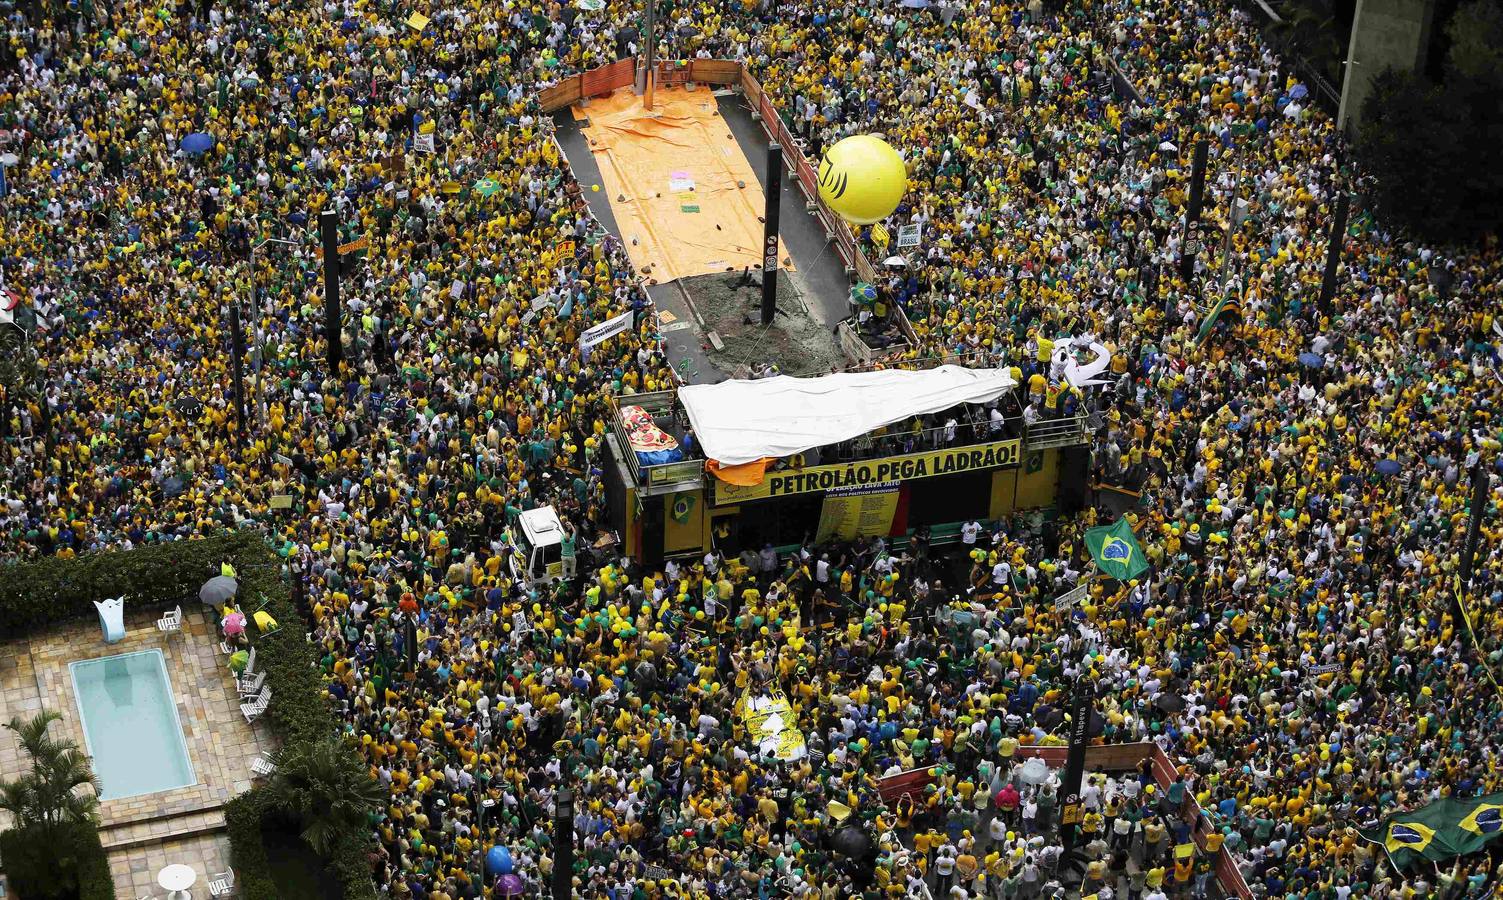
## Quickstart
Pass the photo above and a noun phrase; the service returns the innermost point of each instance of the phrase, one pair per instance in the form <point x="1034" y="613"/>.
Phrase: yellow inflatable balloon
<point x="862" y="179"/>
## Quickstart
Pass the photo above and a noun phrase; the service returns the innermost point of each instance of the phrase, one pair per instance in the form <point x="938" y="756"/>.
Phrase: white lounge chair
<point x="172" y="622"/>
<point x="250" y="664"/>
<point x="262" y="767"/>
<point x="249" y="687"/>
<point x="111" y="618"/>
<point x="256" y="707"/>
<point x="223" y="884"/>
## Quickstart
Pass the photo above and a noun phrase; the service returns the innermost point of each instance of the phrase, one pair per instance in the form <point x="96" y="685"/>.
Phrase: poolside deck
<point x="146" y="832"/>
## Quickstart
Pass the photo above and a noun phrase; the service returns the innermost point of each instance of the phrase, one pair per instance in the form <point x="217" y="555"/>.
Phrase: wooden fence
<point x="619" y="74"/>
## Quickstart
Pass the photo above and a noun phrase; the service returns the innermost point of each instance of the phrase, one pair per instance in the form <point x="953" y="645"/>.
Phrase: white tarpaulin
<point x="742" y="421"/>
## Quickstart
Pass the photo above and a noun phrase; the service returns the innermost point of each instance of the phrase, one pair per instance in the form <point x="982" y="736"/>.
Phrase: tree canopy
<point x="1431" y="147"/>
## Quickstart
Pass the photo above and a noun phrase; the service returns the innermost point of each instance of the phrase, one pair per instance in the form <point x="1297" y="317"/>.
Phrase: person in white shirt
<point x="1000" y="573"/>
<point x="968" y="533"/>
<point x="944" y="866"/>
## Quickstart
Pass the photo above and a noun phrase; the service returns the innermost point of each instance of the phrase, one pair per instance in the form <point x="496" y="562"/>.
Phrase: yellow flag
<point x="417" y="21"/>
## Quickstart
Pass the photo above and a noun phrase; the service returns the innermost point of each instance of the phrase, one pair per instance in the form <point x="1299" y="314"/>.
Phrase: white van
<point x="538" y="555"/>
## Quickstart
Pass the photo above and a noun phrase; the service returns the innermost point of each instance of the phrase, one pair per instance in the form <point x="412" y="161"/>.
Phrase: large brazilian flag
<point x="1116" y="550"/>
<point x="1441" y="830"/>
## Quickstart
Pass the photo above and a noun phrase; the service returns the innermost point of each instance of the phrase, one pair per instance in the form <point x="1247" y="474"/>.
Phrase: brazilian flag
<point x="1116" y="550"/>
<point x="1228" y="308"/>
<point x="1440" y="830"/>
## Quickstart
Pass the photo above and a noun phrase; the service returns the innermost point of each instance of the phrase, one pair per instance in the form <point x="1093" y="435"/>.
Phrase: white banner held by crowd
<point x="604" y="331"/>
<point x="1068" y="599"/>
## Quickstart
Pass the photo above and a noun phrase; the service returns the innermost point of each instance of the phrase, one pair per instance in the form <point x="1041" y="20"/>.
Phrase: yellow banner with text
<point x="945" y="461"/>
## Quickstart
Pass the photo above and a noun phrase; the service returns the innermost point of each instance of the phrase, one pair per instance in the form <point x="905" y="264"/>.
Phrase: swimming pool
<point x="131" y="724"/>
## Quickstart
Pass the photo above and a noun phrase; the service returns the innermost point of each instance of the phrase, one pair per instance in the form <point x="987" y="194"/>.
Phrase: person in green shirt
<point x="566" y="550"/>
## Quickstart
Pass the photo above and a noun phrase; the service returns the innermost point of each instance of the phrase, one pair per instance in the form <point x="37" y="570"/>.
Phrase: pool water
<point x="131" y="724"/>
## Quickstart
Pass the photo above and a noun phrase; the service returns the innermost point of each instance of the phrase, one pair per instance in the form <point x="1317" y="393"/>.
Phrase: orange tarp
<point x="648" y="160"/>
<point x="744" y="474"/>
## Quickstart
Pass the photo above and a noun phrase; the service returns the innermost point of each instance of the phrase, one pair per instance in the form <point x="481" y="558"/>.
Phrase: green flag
<point x="1116" y="550"/>
<point x="1440" y="830"/>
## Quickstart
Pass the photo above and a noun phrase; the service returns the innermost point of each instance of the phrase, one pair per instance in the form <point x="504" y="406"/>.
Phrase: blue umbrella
<point x="1388" y="467"/>
<point x="1313" y="360"/>
<point x="1299" y="92"/>
<point x="197" y="142"/>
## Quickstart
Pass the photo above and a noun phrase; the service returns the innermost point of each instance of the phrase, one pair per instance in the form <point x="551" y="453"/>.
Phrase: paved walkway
<point x="146" y="832"/>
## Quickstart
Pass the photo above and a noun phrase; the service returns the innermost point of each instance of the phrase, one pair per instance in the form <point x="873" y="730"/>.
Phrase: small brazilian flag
<point x="1116" y="550"/>
<point x="1440" y="830"/>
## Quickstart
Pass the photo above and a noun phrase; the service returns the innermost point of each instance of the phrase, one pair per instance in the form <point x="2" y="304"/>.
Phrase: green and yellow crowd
<point x="1300" y="472"/>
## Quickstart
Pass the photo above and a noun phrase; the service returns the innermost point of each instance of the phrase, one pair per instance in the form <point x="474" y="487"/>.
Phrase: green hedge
<point x="299" y="713"/>
<point x="243" y="817"/>
<point x="37" y="594"/>
<point x="36" y="867"/>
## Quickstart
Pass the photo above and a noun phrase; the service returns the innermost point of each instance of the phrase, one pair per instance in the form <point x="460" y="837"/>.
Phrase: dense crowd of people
<point x="1302" y="473"/>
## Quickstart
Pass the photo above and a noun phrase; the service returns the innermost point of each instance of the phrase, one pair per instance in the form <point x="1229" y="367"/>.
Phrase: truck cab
<point x="538" y="555"/>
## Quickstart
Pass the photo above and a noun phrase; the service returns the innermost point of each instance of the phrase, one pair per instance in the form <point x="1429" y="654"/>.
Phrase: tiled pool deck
<point x="145" y="833"/>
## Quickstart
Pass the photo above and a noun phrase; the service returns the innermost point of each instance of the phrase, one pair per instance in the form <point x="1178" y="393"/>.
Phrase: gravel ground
<point x="795" y="343"/>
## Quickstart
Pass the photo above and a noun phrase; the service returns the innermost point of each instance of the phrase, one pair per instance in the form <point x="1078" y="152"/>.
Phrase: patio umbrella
<point x="174" y="486"/>
<point x="1313" y="360"/>
<point x="896" y="262"/>
<point x="217" y="590"/>
<point x="234" y="623"/>
<point x="1388" y="467"/>
<point x="238" y="661"/>
<point x="1034" y="772"/>
<point x="851" y="842"/>
<point x="197" y="142"/>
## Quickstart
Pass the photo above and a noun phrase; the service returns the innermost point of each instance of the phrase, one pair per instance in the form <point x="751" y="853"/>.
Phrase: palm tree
<point x="328" y="792"/>
<point x="47" y="796"/>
